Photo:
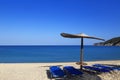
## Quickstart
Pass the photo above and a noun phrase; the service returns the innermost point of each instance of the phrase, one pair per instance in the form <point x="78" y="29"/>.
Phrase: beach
<point x="38" y="71"/>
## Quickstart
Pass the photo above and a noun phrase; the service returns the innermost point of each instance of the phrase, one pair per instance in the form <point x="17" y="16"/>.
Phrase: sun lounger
<point x="102" y="66"/>
<point x="106" y="67"/>
<point x="56" y="72"/>
<point x="116" y="68"/>
<point x="95" y="69"/>
<point x="72" y="71"/>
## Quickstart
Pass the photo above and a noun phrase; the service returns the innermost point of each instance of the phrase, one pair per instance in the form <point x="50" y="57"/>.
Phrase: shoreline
<point x="100" y="61"/>
<point x="37" y="71"/>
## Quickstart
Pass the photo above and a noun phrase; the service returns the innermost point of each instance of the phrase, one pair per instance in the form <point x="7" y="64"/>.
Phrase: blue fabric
<point x="72" y="70"/>
<point x="116" y="68"/>
<point x="106" y="67"/>
<point x="102" y="66"/>
<point x="96" y="69"/>
<point x="56" y="71"/>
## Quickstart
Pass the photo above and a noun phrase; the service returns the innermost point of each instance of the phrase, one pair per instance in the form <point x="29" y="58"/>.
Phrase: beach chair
<point x="96" y="69"/>
<point x="56" y="72"/>
<point x="70" y="70"/>
<point x="102" y="66"/>
<point x="106" y="67"/>
<point x="116" y="68"/>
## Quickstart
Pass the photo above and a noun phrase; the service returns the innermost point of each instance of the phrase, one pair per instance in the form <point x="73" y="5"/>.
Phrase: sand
<point x="38" y="71"/>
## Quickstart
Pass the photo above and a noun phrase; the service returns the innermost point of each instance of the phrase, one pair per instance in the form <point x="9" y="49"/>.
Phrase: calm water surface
<point x="23" y="54"/>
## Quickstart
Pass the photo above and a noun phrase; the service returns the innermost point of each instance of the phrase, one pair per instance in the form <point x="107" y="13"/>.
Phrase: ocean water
<point x="34" y="54"/>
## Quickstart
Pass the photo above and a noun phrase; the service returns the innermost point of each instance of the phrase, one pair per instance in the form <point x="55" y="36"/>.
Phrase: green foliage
<point x="113" y="41"/>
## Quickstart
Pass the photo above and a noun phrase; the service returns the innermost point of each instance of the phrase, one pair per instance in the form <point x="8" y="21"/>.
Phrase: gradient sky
<point x="40" y="22"/>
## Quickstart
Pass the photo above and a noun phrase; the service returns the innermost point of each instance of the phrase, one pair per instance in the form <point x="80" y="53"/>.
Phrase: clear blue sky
<point x="40" y="22"/>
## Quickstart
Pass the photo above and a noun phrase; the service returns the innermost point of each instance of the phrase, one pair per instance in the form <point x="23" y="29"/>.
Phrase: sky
<point x="40" y="22"/>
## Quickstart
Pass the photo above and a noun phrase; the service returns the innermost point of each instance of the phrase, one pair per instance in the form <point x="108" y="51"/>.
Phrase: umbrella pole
<point x="81" y="54"/>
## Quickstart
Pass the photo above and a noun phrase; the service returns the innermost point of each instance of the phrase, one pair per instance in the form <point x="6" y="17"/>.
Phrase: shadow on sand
<point x="85" y="76"/>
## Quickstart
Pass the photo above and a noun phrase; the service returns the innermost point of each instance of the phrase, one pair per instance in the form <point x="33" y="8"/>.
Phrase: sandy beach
<point x="38" y="71"/>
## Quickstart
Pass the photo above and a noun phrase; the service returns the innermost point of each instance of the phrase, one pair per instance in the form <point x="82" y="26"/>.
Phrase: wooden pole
<point x="81" y="54"/>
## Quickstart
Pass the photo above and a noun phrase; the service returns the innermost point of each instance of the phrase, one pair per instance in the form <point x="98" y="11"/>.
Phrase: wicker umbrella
<point x="80" y="36"/>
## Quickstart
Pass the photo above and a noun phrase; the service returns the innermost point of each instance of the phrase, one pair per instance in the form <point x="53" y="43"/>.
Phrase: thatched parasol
<point x="80" y="36"/>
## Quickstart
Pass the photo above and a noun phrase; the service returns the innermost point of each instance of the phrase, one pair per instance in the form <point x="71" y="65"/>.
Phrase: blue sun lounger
<point x="102" y="66"/>
<point x="72" y="71"/>
<point x="106" y="67"/>
<point x="96" y="69"/>
<point x="56" y="72"/>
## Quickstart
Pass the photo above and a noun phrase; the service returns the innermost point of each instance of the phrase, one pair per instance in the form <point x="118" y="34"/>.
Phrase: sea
<point x="57" y="53"/>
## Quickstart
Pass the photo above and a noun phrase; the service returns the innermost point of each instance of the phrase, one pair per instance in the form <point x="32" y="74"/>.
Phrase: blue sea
<point x="35" y="54"/>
